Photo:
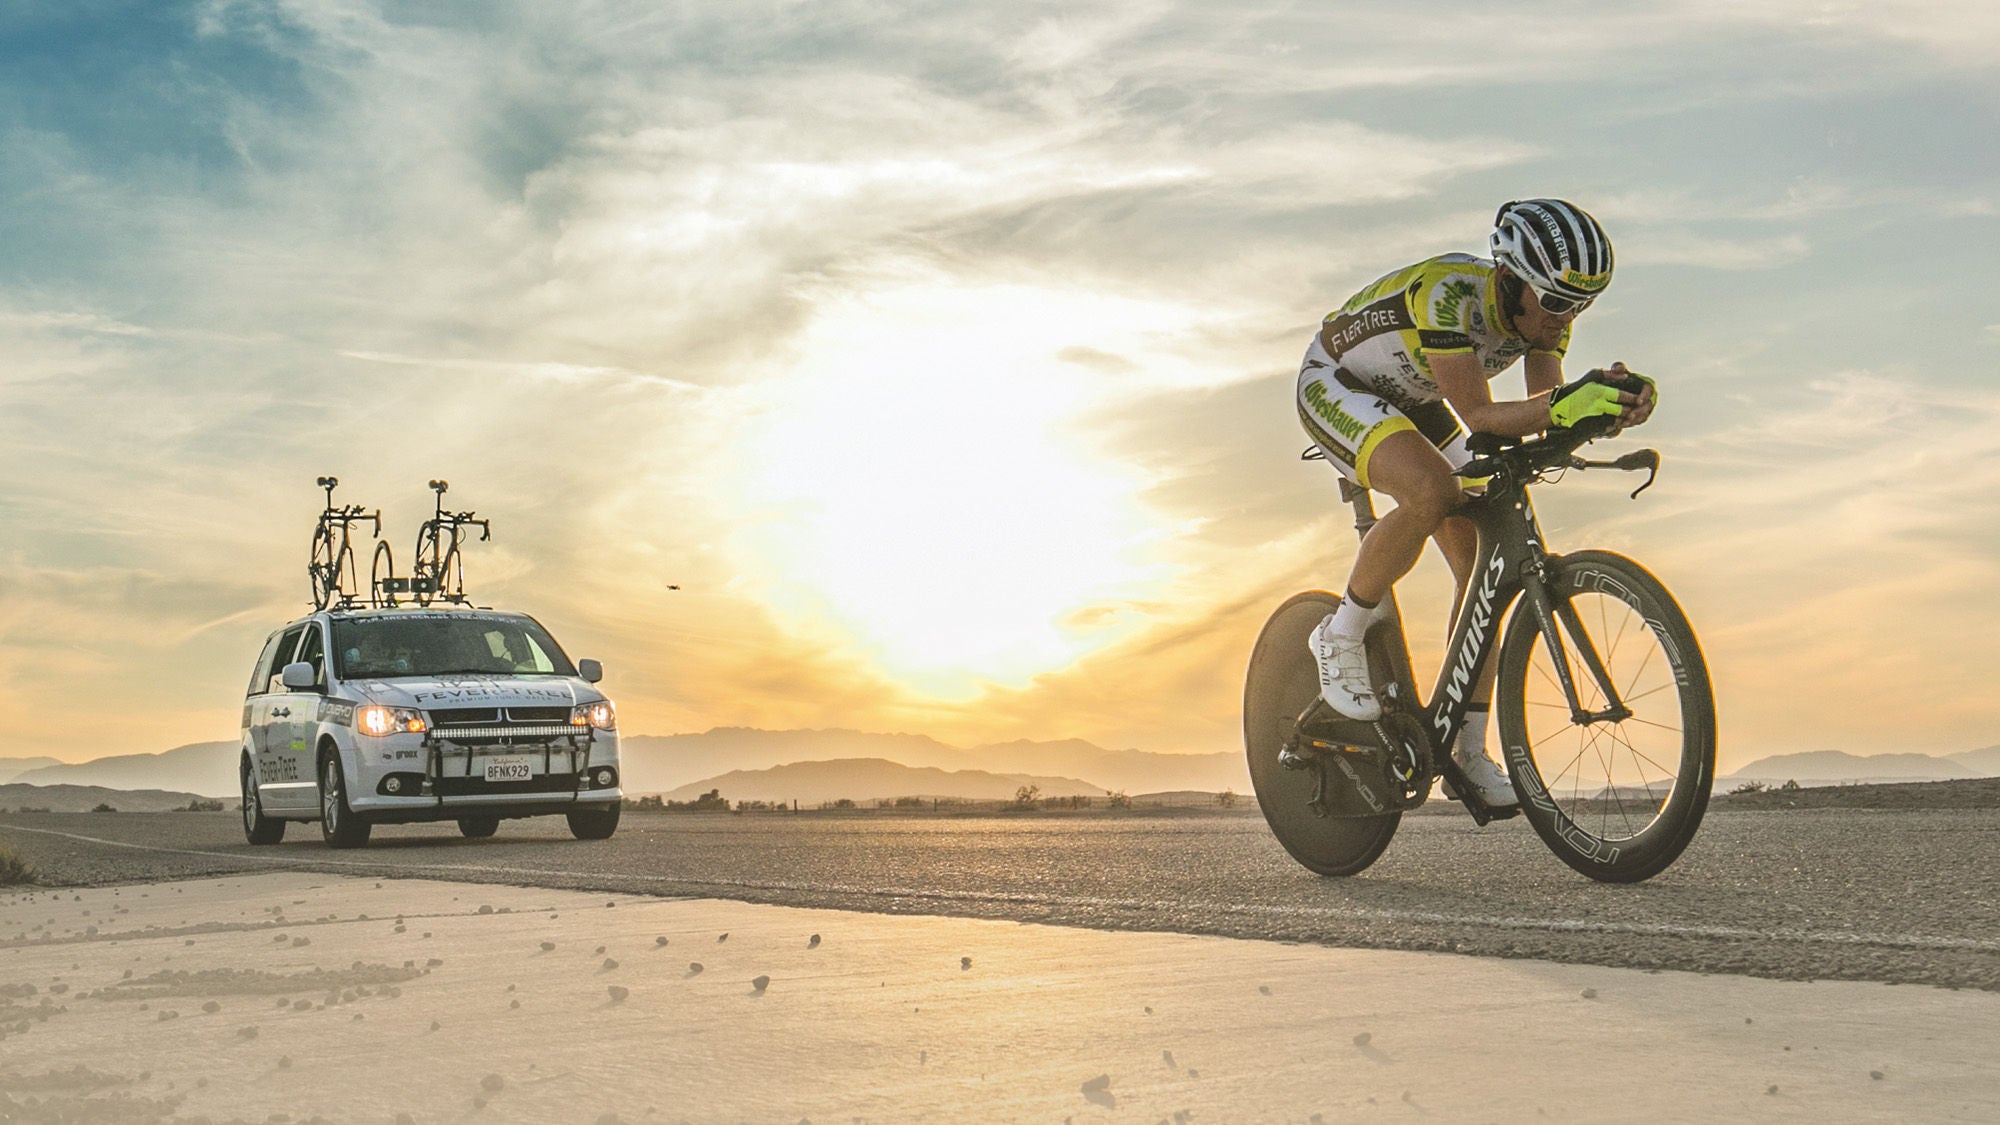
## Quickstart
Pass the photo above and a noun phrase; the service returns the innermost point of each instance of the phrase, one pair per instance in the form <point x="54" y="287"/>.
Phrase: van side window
<point x="287" y="645"/>
<point x="271" y="661"/>
<point x="313" y="652"/>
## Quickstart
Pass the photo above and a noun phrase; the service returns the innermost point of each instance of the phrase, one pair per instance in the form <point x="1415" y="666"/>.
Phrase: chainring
<point x="1366" y="769"/>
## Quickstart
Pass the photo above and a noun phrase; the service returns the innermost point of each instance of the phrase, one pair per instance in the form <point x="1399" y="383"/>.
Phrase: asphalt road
<point x="1895" y="896"/>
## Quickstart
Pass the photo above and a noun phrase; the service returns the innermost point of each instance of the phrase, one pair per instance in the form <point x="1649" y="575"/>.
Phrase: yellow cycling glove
<point x="1582" y="399"/>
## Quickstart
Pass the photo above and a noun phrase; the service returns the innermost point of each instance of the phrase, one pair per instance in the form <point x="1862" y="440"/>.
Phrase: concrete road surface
<point x="300" y="996"/>
<point x="534" y="978"/>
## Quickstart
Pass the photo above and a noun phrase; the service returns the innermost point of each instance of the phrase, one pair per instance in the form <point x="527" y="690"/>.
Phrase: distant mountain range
<point x="85" y="798"/>
<point x="1833" y="767"/>
<point x="207" y="768"/>
<point x="660" y="764"/>
<point x="669" y="763"/>
<point x="743" y="761"/>
<point x="11" y="768"/>
<point x="867" y="780"/>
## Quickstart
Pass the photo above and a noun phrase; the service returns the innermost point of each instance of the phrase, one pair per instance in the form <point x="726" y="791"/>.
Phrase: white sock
<point x="1472" y="736"/>
<point x="1351" y="619"/>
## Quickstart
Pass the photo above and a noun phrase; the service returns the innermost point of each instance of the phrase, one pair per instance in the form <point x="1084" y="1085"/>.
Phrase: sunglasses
<point x="1555" y="304"/>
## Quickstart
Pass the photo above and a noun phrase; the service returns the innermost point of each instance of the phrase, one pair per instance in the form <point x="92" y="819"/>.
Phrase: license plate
<point x="510" y="769"/>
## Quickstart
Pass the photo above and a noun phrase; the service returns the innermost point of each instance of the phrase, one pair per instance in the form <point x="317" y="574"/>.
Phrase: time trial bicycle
<point x="1605" y="711"/>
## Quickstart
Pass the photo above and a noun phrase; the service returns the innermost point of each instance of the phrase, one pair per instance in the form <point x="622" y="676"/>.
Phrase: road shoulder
<point x="355" y="998"/>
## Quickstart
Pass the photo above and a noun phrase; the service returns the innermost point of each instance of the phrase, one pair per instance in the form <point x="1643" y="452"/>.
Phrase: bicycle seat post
<point x="1363" y="501"/>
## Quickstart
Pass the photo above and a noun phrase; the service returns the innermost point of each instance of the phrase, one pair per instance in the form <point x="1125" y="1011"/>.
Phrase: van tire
<point x="594" y="824"/>
<point x="478" y="827"/>
<point x="257" y="828"/>
<point x="338" y="825"/>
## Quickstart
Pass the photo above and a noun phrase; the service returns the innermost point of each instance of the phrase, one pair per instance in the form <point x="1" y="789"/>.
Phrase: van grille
<point x="491" y="716"/>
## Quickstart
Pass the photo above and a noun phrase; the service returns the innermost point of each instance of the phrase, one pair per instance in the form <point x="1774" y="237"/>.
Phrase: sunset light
<point x="926" y="487"/>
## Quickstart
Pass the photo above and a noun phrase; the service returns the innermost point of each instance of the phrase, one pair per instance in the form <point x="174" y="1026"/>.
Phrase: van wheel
<point x="478" y="827"/>
<point x="257" y="828"/>
<point x="594" y="824"/>
<point x="338" y="825"/>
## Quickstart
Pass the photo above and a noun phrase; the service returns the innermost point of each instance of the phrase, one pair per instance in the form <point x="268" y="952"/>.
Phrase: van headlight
<point x="600" y="714"/>
<point x="381" y="722"/>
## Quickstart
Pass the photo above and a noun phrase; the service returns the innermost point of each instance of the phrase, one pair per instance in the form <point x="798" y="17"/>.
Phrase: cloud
<point x="1960" y="32"/>
<point x="559" y="372"/>
<point x="584" y="261"/>
<point x="1718" y="253"/>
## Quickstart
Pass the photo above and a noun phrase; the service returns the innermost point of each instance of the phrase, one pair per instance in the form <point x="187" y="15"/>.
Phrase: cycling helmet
<point x="1556" y="247"/>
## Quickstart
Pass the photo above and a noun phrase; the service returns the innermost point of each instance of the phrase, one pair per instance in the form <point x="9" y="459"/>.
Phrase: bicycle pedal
<point x="1292" y="758"/>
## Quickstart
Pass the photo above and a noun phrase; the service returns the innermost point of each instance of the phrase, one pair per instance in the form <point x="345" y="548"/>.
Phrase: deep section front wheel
<point x="1617" y="786"/>
<point x="1282" y="680"/>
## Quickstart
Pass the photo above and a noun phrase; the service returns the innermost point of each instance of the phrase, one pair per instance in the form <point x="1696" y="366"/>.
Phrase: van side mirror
<point x="590" y="670"/>
<point x="298" y="675"/>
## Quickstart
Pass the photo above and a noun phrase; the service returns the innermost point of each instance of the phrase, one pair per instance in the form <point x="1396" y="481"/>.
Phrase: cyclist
<point x="1395" y="377"/>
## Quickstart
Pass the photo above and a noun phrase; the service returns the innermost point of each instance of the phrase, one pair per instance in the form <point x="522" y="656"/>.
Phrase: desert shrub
<point x="104" y="808"/>
<point x="1748" y="787"/>
<point x="1226" y="798"/>
<point x="909" y="802"/>
<point x="201" y="804"/>
<point x="1118" y="800"/>
<point x="1027" y="795"/>
<point x="844" y="803"/>
<point x="15" y="871"/>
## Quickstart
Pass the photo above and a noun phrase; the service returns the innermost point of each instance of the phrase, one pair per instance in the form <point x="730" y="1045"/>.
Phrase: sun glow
<point x="927" y="494"/>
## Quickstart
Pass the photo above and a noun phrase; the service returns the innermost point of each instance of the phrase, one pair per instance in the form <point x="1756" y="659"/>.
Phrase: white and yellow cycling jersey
<point x="1367" y="373"/>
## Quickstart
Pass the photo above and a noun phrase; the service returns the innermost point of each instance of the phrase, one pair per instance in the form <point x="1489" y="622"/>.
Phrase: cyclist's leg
<point x="1458" y="540"/>
<point x="1376" y="445"/>
<point x="1409" y="469"/>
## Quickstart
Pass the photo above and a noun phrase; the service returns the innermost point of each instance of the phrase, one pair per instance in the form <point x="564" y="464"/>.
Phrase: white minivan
<point x="357" y="717"/>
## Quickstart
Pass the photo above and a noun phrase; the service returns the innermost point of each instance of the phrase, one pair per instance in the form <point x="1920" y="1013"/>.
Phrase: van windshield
<point x="445" y="645"/>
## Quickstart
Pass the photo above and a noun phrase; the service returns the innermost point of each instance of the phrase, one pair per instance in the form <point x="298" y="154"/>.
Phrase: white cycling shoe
<point x="1343" y="674"/>
<point x="1494" y="790"/>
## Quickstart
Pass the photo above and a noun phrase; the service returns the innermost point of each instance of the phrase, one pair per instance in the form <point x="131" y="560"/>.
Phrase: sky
<point x="942" y="354"/>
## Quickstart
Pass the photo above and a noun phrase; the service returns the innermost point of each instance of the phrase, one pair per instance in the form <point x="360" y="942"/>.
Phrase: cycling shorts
<point x="1348" y="421"/>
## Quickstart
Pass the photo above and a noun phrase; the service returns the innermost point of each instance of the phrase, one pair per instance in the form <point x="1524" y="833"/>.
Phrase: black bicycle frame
<point x="1510" y="562"/>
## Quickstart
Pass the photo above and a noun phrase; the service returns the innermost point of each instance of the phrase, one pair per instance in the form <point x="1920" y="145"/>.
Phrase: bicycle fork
<point x="1548" y="611"/>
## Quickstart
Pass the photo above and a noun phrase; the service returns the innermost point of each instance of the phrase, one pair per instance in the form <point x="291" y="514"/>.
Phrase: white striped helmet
<point x="1556" y="247"/>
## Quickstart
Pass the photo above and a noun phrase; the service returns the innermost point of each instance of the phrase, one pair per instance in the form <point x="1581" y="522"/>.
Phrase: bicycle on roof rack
<point x="438" y="574"/>
<point x="1604" y="705"/>
<point x="333" y="570"/>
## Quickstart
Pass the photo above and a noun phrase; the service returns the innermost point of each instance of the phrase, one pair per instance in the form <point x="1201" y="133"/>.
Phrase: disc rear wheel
<point x="1282" y="680"/>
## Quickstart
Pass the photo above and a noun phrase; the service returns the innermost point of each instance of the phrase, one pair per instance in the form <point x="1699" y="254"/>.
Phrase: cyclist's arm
<point x="1459" y="377"/>
<point x="1544" y="371"/>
